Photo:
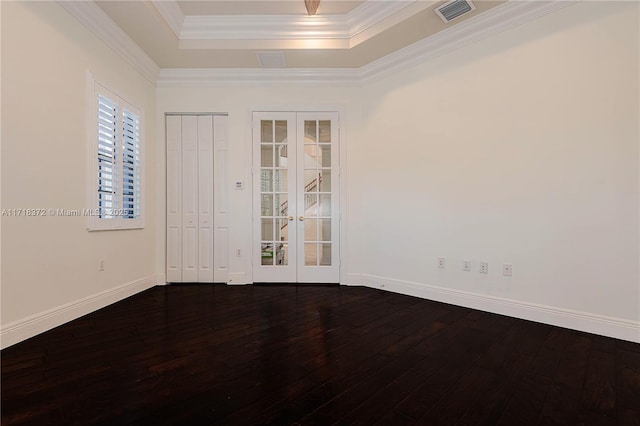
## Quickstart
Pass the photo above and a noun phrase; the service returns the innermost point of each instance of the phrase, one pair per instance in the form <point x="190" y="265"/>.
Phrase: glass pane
<point x="267" y="205"/>
<point x="267" y="229"/>
<point x="325" y="254"/>
<point x="325" y="205"/>
<point x="281" y="131"/>
<point x="311" y="156"/>
<point x="310" y="205"/>
<point x="310" y="229"/>
<point x="325" y="156"/>
<point x="311" y="254"/>
<point x="325" y="180"/>
<point x="266" y="253"/>
<point x="280" y="181"/>
<point x="282" y="229"/>
<point x="266" y="180"/>
<point x="266" y="155"/>
<point x="281" y="155"/>
<point x="282" y="205"/>
<point x="325" y="130"/>
<point x="309" y="132"/>
<point x="266" y="131"/>
<point x="325" y="229"/>
<point x="310" y="181"/>
<point x="282" y="255"/>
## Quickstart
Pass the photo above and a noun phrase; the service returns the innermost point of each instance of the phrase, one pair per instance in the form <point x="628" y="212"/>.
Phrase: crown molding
<point x="371" y="13"/>
<point x="172" y="13"/>
<point x="215" y="31"/>
<point x="264" y="27"/>
<point x="101" y="25"/>
<point x="264" y="32"/>
<point x="501" y="18"/>
<point x="199" y="77"/>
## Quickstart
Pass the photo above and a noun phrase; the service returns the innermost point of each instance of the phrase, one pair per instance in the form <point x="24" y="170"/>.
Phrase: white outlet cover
<point x="507" y="269"/>
<point x="441" y="262"/>
<point x="466" y="265"/>
<point x="484" y="267"/>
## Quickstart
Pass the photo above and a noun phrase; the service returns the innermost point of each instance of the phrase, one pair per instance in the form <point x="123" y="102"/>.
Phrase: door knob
<point x="290" y="218"/>
<point x="301" y="218"/>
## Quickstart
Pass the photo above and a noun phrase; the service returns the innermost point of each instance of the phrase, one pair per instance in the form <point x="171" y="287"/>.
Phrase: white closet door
<point x="174" y="198"/>
<point x="205" y="198"/>
<point x="196" y="199"/>
<point x="190" y="199"/>
<point x="220" y="190"/>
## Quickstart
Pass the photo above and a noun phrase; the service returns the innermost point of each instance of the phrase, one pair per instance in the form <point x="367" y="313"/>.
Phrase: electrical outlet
<point x="484" y="267"/>
<point x="466" y="265"/>
<point x="238" y="252"/>
<point x="507" y="269"/>
<point x="101" y="265"/>
<point x="441" y="262"/>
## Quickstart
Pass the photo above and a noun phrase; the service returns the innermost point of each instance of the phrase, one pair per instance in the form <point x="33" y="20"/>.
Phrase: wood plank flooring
<point x="314" y="355"/>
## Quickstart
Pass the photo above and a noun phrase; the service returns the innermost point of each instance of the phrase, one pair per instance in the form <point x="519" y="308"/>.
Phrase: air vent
<point x="271" y="59"/>
<point x="454" y="9"/>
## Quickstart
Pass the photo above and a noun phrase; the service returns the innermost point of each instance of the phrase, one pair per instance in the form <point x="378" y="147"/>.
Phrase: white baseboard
<point x="161" y="279"/>
<point x="237" y="278"/>
<point x="583" y="321"/>
<point x="354" y="279"/>
<point x="33" y="325"/>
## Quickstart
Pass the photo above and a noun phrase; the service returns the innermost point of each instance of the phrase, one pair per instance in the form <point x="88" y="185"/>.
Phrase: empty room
<point x="298" y="212"/>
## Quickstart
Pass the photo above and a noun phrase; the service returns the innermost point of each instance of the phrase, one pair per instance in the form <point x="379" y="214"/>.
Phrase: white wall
<point x="522" y="149"/>
<point x="50" y="264"/>
<point x="238" y="102"/>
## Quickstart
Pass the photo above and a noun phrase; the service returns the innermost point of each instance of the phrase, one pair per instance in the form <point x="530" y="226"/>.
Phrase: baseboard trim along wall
<point x="237" y="278"/>
<point x="354" y="280"/>
<point x="583" y="321"/>
<point x="33" y="325"/>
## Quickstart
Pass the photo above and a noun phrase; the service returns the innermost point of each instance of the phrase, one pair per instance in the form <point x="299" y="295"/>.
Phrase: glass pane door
<point x="296" y="197"/>
<point x="272" y="157"/>
<point x="317" y="197"/>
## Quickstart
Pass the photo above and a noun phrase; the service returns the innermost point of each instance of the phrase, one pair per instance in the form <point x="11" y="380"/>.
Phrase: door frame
<point x="340" y="109"/>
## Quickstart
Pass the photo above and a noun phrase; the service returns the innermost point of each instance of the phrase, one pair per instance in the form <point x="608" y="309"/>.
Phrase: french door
<point x="295" y="172"/>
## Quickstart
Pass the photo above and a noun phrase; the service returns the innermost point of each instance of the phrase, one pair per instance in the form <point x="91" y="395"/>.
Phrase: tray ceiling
<point x="228" y="34"/>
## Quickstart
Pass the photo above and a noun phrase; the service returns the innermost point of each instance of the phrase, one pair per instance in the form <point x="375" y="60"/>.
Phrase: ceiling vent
<point x="454" y="9"/>
<point x="271" y="59"/>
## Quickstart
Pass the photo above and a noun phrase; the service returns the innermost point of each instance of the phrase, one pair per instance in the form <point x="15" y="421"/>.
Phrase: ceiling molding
<point x="501" y="18"/>
<point x="371" y="13"/>
<point x="101" y="25"/>
<point x="172" y="13"/>
<point x="182" y="77"/>
<point x="264" y="27"/>
<point x="493" y="21"/>
<point x="211" y="31"/>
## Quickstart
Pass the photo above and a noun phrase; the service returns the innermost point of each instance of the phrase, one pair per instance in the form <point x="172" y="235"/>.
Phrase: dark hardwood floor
<point x="314" y="355"/>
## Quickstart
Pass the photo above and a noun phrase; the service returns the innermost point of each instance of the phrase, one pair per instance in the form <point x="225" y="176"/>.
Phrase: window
<point x="116" y="147"/>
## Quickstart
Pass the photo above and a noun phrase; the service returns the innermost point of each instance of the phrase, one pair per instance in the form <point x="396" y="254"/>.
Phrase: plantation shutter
<point x="107" y="157"/>
<point x="130" y="165"/>
<point x="117" y="195"/>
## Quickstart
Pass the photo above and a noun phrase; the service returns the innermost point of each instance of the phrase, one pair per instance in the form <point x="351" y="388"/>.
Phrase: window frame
<point x="118" y="222"/>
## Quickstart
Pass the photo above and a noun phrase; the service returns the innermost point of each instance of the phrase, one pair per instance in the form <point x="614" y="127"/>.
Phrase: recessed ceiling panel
<point x="147" y="28"/>
<point x="264" y="7"/>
